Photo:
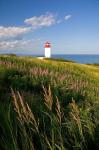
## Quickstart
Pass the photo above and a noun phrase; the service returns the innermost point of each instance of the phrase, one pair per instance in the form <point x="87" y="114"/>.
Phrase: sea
<point x="79" y="58"/>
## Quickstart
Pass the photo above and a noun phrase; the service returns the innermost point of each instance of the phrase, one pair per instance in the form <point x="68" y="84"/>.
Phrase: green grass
<point x="48" y="104"/>
<point x="59" y="60"/>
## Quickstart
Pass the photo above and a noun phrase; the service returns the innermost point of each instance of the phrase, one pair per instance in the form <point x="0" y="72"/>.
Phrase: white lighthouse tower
<point x="47" y="50"/>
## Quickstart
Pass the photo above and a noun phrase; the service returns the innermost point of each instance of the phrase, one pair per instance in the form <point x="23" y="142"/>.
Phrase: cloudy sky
<point x="72" y="26"/>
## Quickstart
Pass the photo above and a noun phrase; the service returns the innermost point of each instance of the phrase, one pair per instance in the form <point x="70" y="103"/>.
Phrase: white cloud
<point x="67" y="17"/>
<point x="42" y="21"/>
<point x="15" y="44"/>
<point x="59" y="21"/>
<point x="46" y="20"/>
<point x="33" y="23"/>
<point x="13" y="31"/>
<point x="11" y="38"/>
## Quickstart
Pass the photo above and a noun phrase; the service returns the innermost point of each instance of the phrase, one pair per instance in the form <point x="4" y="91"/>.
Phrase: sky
<point x="71" y="26"/>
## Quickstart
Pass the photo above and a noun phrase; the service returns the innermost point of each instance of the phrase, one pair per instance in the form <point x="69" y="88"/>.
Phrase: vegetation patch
<point x="48" y="104"/>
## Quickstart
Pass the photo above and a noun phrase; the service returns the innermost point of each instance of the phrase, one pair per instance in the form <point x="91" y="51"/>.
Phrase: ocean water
<point x="79" y="58"/>
<point x="84" y="59"/>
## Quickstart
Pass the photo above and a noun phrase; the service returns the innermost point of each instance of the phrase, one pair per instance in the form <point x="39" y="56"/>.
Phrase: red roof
<point x="47" y="44"/>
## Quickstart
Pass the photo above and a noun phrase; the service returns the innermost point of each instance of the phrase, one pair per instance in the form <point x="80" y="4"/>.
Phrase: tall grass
<point x="48" y="105"/>
<point x="52" y="129"/>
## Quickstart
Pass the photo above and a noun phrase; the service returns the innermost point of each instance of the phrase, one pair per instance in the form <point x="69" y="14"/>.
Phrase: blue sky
<point x="72" y="26"/>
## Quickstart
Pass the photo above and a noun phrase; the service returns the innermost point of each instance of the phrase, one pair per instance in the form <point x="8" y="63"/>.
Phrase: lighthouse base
<point x="47" y="52"/>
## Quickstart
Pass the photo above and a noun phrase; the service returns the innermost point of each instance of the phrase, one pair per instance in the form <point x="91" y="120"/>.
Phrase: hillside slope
<point x="48" y="104"/>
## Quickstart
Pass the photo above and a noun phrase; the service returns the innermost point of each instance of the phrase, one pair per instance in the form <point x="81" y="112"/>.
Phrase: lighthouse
<point x="47" y="47"/>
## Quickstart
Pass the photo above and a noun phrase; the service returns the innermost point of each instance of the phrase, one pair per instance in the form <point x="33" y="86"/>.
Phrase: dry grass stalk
<point x="75" y="112"/>
<point x="58" y="111"/>
<point x="25" y="115"/>
<point x="75" y="116"/>
<point x="16" y="108"/>
<point x="48" y="97"/>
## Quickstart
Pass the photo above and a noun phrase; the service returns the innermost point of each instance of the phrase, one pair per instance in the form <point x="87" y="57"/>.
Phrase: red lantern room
<point x="47" y="45"/>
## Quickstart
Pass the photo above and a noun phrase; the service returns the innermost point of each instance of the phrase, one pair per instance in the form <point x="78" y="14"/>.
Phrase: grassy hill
<point x="48" y="104"/>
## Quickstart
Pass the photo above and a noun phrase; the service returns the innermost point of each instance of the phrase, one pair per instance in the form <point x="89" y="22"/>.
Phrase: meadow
<point x="48" y="104"/>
